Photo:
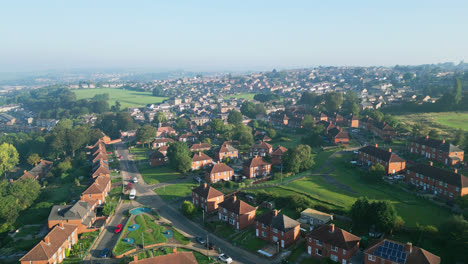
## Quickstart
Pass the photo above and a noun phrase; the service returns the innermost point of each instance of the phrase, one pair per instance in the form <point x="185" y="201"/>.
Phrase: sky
<point x="224" y="35"/>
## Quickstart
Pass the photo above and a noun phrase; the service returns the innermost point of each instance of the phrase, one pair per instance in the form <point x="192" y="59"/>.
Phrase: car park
<point x="225" y="258"/>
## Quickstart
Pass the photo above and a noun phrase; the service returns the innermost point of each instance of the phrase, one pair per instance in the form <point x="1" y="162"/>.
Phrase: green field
<point x="445" y="123"/>
<point x="154" y="175"/>
<point x="246" y="96"/>
<point x="175" y="191"/>
<point x="455" y="120"/>
<point x="127" y="98"/>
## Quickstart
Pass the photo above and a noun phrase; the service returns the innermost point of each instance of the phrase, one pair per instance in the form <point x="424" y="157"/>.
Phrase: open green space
<point x="154" y="175"/>
<point x="29" y="230"/>
<point x="127" y="98"/>
<point x="445" y="123"/>
<point x="175" y="191"/>
<point x="140" y="153"/>
<point x="246" y="96"/>
<point x="454" y="120"/>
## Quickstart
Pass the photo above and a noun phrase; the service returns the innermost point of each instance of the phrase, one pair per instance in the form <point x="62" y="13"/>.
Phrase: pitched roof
<point x="279" y="151"/>
<point x="163" y="148"/>
<point x="200" y="156"/>
<point x="166" y="129"/>
<point x="174" y="258"/>
<point x="163" y="140"/>
<point x="448" y="176"/>
<point x="57" y="236"/>
<point x="98" y="186"/>
<point x="317" y="214"/>
<point x="157" y="155"/>
<point x="381" y="154"/>
<point x="337" y="133"/>
<point x="261" y="145"/>
<point x="220" y="167"/>
<point x="256" y="161"/>
<point x="416" y="256"/>
<point x="438" y="144"/>
<point x="207" y="192"/>
<point x="277" y="220"/>
<point x="339" y="237"/>
<point x="227" y="148"/>
<point x="76" y="211"/>
<point x="200" y="146"/>
<point x="232" y="204"/>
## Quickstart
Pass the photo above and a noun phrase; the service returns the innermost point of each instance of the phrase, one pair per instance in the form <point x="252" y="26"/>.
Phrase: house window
<point x="334" y="258"/>
<point x="318" y="242"/>
<point x="275" y="230"/>
<point x="371" y="257"/>
<point x="264" y="234"/>
<point x="334" y="248"/>
<point x="344" y="251"/>
<point x="318" y="252"/>
<point x="232" y="221"/>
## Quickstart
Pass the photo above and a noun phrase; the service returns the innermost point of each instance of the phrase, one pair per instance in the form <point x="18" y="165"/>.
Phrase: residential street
<point x="146" y="197"/>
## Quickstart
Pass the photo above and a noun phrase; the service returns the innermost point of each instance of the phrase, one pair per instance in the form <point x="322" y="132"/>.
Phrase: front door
<point x="344" y="261"/>
<point x="282" y="243"/>
<point x="309" y="250"/>
<point x="256" y="232"/>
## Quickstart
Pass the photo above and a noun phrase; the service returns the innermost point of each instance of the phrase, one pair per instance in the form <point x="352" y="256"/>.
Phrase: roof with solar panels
<point x="401" y="253"/>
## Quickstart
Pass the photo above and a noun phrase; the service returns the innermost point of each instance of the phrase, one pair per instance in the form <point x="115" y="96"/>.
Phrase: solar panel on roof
<point x="403" y="256"/>
<point x="393" y="258"/>
<point x="400" y="247"/>
<point x="401" y="260"/>
<point x="386" y="243"/>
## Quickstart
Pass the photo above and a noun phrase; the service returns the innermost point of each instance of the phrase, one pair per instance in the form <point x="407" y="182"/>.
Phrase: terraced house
<point x="219" y="172"/>
<point x="237" y="213"/>
<point x="370" y="155"/>
<point x="447" y="184"/>
<point x="390" y="252"/>
<point x="437" y="150"/>
<point x="227" y="151"/>
<point x="207" y="197"/>
<point x="200" y="160"/>
<point x="256" y="167"/>
<point x="276" y="227"/>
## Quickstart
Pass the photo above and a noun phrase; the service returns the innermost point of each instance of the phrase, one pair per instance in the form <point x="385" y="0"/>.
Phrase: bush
<point x="108" y="209"/>
<point x="188" y="209"/>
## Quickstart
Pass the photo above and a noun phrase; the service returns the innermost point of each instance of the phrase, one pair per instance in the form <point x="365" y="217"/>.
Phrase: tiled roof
<point x="220" y="167"/>
<point x="279" y="151"/>
<point x="227" y="148"/>
<point x="278" y="221"/>
<point x="416" y="256"/>
<point x="200" y="146"/>
<point x="338" y="237"/>
<point x="232" y="204"/>
<point x="157" y="155"/>
<point x="381" y="154"/>
<point x="98" y="186"/>
<point x="200" y="156"/>
<point x="254" y="162"/>
<point x="438" y="144"/>
<point x="174" y="258"/>
<point x="207" y="192"/>
<point x="336" y="133"/>
<point x="261" y="145"/>
<point x="448" y="176"/>
<point x="76" y="211"/>
<point x="163" y="140"/>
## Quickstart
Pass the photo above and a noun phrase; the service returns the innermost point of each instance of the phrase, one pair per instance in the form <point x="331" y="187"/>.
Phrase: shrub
<point x="188" y="209"/>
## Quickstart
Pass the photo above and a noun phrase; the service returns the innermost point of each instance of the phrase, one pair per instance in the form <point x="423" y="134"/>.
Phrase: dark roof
<point x="157" y="155"/>
<point x="447" y="176"/>
<point x="339" y="237"/>
<point x="200" y="156"/>
<point x="232" y="204"/>
<point x="382" y="154"/>
<point x="254" y="162"/>
<point x="416" y="256"/>
<point x="207" y="192"/>
<point x="438" y="144"/>
<point x="279" y="151"/>
<point x="76" y="211"/>
<point x="336" y="133"/>
<point x="278" y="221"/>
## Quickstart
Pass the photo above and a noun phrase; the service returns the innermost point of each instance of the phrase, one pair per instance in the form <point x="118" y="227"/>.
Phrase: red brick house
<point x="338" y="137"/>
<point x="322" y="117"/>
<point x="277" y="228"/>
<point x="443" y="183"/>
<point x="327" y="125"/>
<point x="370" y="155"/>
<point x="279" y="119"/>
<point x="52" y="248"/>
<point x="332" y="242"/>
<point x="353" y="121"/>
<point x="157" y="159"/>
<point x="163" y="150"/>
<point x="260" y="149"/>
<point x="97" y="192"/>
<point x="378" y="128"/>
<point x="218" y="172"/>
<point x="188" y="137"/>
<point x="256" y="167"/>
<point x="437" y="150"/>
<point x="39" y="171"/>
<point x="99" y="156"/>
<point x="80" y="214"/>
<point x="389" y="252"/>
<point x="237" y="213"/>
<point x="201" y="160"/>
<point x="159" y="142"/>
<point x="100" y="168"/>
<point x="276" y="156"/>
<point x="227" y="151"/>
<point x="165" y="131"/>
<point x="338" y="120"/>
<point x="200" y="147"/>
<point x="207" y="197"/>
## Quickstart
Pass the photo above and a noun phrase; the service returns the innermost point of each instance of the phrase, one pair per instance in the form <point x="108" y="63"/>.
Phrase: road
<point x="147" y="197"/>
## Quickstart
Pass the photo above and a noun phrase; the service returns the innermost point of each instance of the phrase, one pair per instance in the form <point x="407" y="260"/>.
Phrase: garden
<point x="154" y="175"/>
<point x="127" y="98"/>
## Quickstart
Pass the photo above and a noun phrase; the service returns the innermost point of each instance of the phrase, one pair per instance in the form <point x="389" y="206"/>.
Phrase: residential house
<point x="226" y="151"/>
<point x="100" y="168"/>
<point x="237" y="213"/>
<point x="188" y="137"/>
<point x="279" y="119"/>
<point x="39" y="171"/>
<point x="159" y="142"/>
<point x="256" y="167"/>
<point x="437" y="150"/>
<point x="312" y="218"/>
<point x="322" y="117"/>
<point x="277" y="155"/>
<point x="447" y="184"/>
<point x="207" y="197"/>
<point x="163" y="150"/>
<point x="52" y="248"/>
<point x="165" y="131"/>
<point x="276" y="227"/>
<point x="200" y="160"/>
<point x="80" y="214"/>
<point x="370" y="155"/>
<point x="96" y="193"/>
<point x="157" y="159"/>
<point x="353" y="121"/>
<point x="332" y="242"/>
<point x="337" y="136"/>
<point x="260" y="149"/>
<point x="389" y="252"/>
<point x="200" y="121"/>
<point x="218" y="172"/>
<point x="200" y="147"/>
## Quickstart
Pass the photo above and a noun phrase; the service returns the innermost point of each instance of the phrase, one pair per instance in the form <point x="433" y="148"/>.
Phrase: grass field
<point x="445" y="123"/>
<point x="247" y="96"/>
<point x="154" y="175"/>
<point x="127" y="98"/>
<point x="175" y="191"/>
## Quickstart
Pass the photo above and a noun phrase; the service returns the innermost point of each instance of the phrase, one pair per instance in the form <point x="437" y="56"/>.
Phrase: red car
<point x="120" y="156"/>
<point x="118" y="228"/>
<point x="130" y="186"/>
<point x="109" y="152"/>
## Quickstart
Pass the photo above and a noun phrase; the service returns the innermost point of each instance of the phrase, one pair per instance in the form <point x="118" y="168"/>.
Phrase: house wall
<point x="444" y="190"/>
<point x="221" y="155"/>
<point x="392" y="167"/>
<point x="244" y="220"/>
<point x="209" y="205"/>
<point x="215" y="177"/>
<point x="289" y="237"/>
<point x="377" y="260"/>
<point x="435" y="154"/>
<point x="312" y="246"/>
<point x="196" y="165"/>
<point x="251" y="172"/>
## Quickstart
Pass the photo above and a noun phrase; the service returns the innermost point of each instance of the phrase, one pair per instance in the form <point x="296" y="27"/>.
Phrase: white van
<point x="132" y="194"/>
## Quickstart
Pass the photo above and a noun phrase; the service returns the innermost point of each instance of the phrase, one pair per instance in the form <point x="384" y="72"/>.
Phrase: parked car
<point x="200" y="240"/>
<point x="135" y="179"/>
<point x="105" y="253"/>
<point x="211" y="246"/>
<point x="120" y="156"/>
<point x="130" y="186"/>
<point x="132" y="194"/>
<point x="118" y="228"/>
<point x="399" y="177"/>
<point x="225" y="258"/>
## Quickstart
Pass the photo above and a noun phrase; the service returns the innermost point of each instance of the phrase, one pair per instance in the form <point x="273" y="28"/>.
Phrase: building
<point x="332" y="242"/>
<point x="80" y="214"/>
<point x="219" y="172"/>
<point x="165" y="131"/>
<point x="159" y="142"/>
<point x="200" y="147"/>
<point x="256" y="167"/>
<point x="277" y="155"/>
<point x="370" y="155"/>
<point x="157" y="159"/>
<point x="174" y="258"/>
<point x="353" y="121"/>
<point x="338" y="137"/>
<point x="437" y="150"/>
<point x="97" y="192"/>
<point x="100" y="168"/>
<point x="207" y="197"/>
<point x="447" y="184"/>
<point x="200" y="121"/>
<point x="237" y="213"/>
<point x="188" y="137"/>
<point x="201" y="160"/>
<point x="313" y="218"/>
<point x="226" y="151"/>
<point x="390" y="252"/>
<point x="52" y="248"/>
<point x="39" y="171"/>
<point x="260" y="149"/>
<point x="276" y="227"/>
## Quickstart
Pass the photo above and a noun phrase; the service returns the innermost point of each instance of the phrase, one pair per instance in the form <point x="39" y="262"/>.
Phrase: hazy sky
<point x="229" y="35"/>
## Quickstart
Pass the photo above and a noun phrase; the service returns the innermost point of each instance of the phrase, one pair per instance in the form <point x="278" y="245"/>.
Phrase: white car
<point x="225" y="258"/>
<point x="135" y="179"/>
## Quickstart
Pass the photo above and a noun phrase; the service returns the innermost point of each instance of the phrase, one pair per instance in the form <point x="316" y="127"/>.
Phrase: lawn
<point x="297" y="250"/>
<point x="454" y="120"/>
<point x="140" y="153"/>
<point x="127" y="98"/>
<point x="246" y="96"/>
<point x="175" y="191"/>
<point x="154" y="175"/>
<point x="179" y="237"/>
<point x="152" y="233"/>
<point x="445" y="123"/>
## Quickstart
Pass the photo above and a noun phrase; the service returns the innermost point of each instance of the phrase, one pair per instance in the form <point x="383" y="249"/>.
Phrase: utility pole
<point x="203" y="211"/>
<point x="207" y="245"/>
<point x="143" y="240"/>
<point x="281" y="174"/>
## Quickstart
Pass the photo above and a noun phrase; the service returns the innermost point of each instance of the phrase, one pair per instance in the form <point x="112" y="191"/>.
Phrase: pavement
<point x="147" y="197"/>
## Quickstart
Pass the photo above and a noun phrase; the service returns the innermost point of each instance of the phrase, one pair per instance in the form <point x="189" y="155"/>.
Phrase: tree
<point x="375" y="173"/>
<point x="314" y="137"/>
<point x="234" y="117"/>
<point x="419" y="130"/>
<point x="108" y="209"/>
<point x="64" y="166"/>
<point x="298" y="159"/>
<point x="158" y="90"/>
<point x="8" y="157"/>
<point x="385" y="215"/>
<point x="217" y="126"/>
<point x="453" y="233"/>
<point x="159" y="118"/>
<point x="433" y="133"/>
<point x="309" y="98"/>
<point x="459" y="139"/>
<point x="380" y="214"/>
<point x="181" y="124"/>
<point x="248" y="109"/>
<point x="308" y="122"/>
<point x="271" y="132"/>
<point x="178" y="154"/>
<point x="243" y="134"/>
<point x="188" y="209"/>
<point x="33" y="159"/>
<point x="145" y="134"/>
<point x="350" y="103"/>
<point x="457" y="92"/>
<point x="333" y="101"/>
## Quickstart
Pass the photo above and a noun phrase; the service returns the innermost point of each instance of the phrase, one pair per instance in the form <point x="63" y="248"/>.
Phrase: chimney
<point x="443" y="141"/>
<point x="135" y="257"/>
<point x="275" y="212"/>
<point x="376" y="145"/>
<point x="431" y="163"/>
<point x="47" y="240"/>
<point x="409" y="247"/>
<point x="205" y="185"/>
<point x="174" y="250"/>
<point x="234" y="198"/>
<point x="427" y="137"/>
<point x="24" y="171"/>
<point x="332" y="228"/>
<point x="455" y="170"/>
<point x="389" y="150"/>
<point x="61" y="224"/>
